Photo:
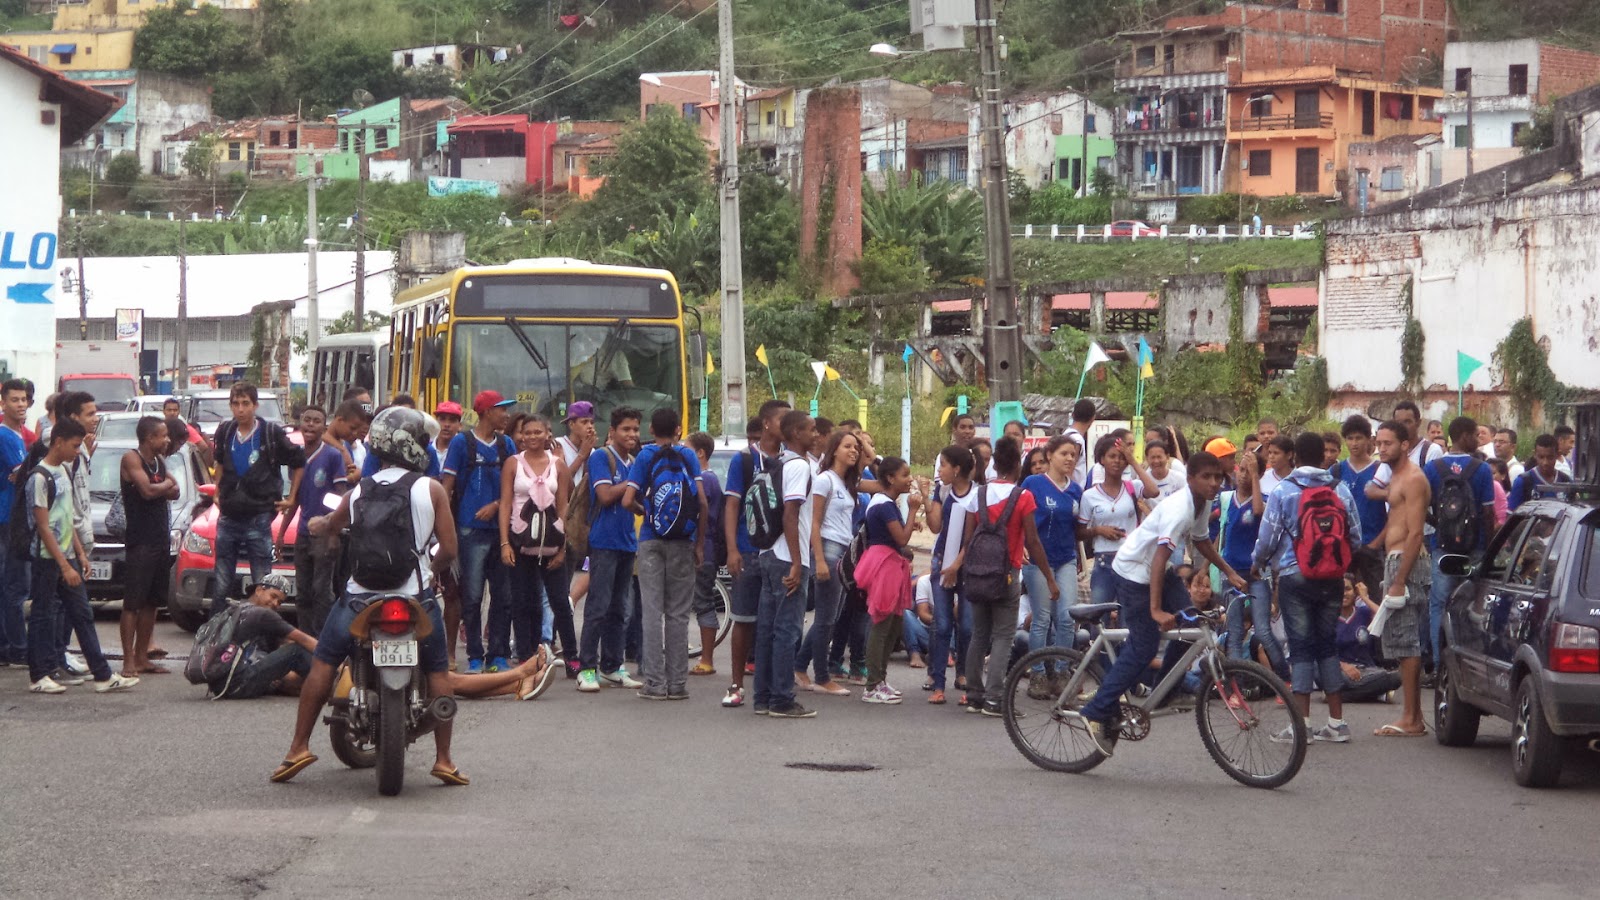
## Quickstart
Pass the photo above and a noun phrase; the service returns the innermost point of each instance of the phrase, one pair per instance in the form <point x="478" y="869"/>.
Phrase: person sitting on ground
<point x="915" y="633"/>
<point x="1364" y="680"/>
<point x="277" y="655"/>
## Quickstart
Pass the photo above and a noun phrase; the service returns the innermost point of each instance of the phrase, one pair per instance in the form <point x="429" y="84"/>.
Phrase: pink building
<point x="692" y="95"/>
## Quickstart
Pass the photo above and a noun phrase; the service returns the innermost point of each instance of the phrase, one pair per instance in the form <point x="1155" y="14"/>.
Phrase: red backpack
<point x="1322" y="542"/>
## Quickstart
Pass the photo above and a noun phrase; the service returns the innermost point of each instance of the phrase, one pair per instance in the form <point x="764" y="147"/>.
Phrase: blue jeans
<point x="1102" y="589"/>
<point x="261" y="677"/>
<point x="850" y="632"/>
<point x="14" y="583"/>
<point x="1439" y="591"/>
<point x="480" y="565"/>
<point x="914" y="634"/>
<point x="605" y="612"/>
<point x="1144" y="638"/>
<point x="1261" y="620"/>
<point x="335" y="643"/>
<point x="830" y="598"/>
<point x="247" y="536"/>
<point x="52" y="595"/>
<point x="535" y="588"/>
<point x="945" y="628"/>
<point x="1311" y="616"/>
<point x="1052" y="627"/>
<point x="778" y="626"/>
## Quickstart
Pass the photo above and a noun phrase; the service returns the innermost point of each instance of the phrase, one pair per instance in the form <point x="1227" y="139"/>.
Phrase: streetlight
<point x="1002" y="333"/>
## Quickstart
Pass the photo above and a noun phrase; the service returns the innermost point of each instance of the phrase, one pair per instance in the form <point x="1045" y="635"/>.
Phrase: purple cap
<point x="582" y="409"/>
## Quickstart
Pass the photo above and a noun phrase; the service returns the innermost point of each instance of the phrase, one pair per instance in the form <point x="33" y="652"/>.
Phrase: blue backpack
<point x="669" y="498"/>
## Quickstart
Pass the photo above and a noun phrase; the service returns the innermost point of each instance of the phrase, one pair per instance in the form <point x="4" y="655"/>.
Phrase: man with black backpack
<point x="1461" y="512"/>
<point x="1309" y="535"/>
<point x="666" y="475"/>
<point x="472" y="481"/>
<point x="738" y="500"/>
<point x="250" y="452"/>
<point x="785" y="574"/>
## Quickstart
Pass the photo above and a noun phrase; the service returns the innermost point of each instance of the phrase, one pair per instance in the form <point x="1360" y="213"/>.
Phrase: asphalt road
<point x="158" y="793"/>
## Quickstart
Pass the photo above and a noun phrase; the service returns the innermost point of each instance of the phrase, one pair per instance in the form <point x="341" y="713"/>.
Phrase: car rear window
<point x="1589" y="539"/>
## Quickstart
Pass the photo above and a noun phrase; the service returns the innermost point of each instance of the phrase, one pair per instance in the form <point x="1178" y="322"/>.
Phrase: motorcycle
<point x="380" y="703"/>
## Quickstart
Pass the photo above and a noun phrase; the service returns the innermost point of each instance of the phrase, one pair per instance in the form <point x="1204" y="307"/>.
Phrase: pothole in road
<point x="831" y="767"/>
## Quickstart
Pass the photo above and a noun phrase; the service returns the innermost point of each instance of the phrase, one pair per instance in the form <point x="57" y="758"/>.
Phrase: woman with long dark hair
<point x="833" y="498"/>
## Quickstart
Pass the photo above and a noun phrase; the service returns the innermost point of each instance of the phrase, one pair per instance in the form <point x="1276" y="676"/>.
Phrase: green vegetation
<point x="1525" y="367"/>
<point x="1041" y="260"/>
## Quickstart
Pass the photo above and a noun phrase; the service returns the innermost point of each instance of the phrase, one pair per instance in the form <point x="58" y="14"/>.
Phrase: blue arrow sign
<point x="29" y="292"/>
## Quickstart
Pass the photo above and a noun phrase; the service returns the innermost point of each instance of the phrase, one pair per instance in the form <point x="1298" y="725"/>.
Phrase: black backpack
<point x="383" y="543"/>
<point x="19" y="535"/>
<point x="540" y="530"/>
<point x="763" y="501"/>
<point x="986" y="573"/>
<point x="852" y="557"/>
<point x="475" y="461"/>
<point x="1454" y="510"/>
<point x="217" y="653"/>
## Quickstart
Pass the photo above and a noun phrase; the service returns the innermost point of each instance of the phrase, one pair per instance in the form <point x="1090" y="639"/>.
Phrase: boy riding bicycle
<point x="1150" y="592"/>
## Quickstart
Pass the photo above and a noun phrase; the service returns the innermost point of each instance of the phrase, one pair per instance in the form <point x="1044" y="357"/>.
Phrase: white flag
<point x="820" y="368"/>
<point x="1096" y="356"/>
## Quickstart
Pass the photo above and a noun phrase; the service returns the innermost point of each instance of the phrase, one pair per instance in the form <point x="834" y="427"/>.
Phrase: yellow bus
<point x="549" y="332"/>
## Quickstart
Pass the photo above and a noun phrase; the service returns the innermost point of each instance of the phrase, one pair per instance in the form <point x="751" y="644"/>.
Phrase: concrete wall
<point x="503" y="169"/>
<point x="1476" y="269"/>
<point x="30" y="207"/>
<point x="1037" y="128"/>
<point x="165" y="105"/>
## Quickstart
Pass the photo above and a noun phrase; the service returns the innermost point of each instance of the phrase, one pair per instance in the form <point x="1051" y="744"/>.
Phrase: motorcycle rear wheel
<point x="391" y="749"/>
<point x="351" y="748"/>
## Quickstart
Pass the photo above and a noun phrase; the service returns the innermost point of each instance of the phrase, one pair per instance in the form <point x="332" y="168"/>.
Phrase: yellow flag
<point x="831" y="373"/>
<point x="761" y="355"/>
<point x="948" y="411"/>
<point x="711" y="367"/>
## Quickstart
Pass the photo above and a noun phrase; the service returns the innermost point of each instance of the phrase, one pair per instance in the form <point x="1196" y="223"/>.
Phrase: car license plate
<point x="99" y="571"/>
<point x="386" y="654"/>
<point x="246" y="581"/>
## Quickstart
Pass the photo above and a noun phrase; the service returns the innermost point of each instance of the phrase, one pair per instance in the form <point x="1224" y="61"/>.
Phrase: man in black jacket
<point x="250" y="452"/>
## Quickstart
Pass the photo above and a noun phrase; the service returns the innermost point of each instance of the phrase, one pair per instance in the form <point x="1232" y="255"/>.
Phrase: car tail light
<point x="394" y="617"/>
<point x="1574" y="648"/>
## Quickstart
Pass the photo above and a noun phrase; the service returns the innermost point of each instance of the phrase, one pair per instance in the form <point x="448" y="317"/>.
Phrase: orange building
<point x="1290" y="130"/>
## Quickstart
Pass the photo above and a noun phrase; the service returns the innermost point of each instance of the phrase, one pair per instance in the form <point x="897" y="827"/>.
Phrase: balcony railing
<point x="1163" y="121"/>
<point x="1286" y="122"/>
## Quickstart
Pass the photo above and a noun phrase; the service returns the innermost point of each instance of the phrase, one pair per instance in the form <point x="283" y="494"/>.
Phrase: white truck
<point x="107" y="369"/>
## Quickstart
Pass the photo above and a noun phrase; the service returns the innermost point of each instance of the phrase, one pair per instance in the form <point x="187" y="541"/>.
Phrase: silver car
<point x="106" y="575"/>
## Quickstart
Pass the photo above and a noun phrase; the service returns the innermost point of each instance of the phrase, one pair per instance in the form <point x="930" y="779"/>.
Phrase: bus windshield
<point x="610" y="365"/>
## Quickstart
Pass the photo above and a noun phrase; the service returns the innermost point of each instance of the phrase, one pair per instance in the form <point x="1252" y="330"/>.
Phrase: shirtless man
<point x="1406" y="582"/>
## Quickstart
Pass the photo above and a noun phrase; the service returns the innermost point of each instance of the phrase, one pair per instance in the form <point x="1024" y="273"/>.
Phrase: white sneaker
<point x="46" y="685"/>
<point x="117" y="682"/>
<point x="620" y="678"/>
<point x="75" y="664"/>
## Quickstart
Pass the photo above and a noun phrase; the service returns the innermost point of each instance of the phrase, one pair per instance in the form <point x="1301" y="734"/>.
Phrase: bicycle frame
<point x="1202" y="640"/>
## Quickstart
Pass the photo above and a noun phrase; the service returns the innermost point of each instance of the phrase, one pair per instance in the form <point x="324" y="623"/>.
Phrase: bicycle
<point x="1247" y="718"/>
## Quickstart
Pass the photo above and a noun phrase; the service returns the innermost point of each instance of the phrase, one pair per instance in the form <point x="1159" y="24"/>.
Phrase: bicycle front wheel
<point x="1250" y="724"/>
<point x="1042" y="720"/>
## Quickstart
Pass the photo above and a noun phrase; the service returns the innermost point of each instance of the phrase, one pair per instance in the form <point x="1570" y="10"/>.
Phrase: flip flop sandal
<point x="451" y="777"/>
<point x="1396" y="731"/>
<point x="289" y="768"/>
<point x="157" y="653"/>
<point x="703" y="669"/>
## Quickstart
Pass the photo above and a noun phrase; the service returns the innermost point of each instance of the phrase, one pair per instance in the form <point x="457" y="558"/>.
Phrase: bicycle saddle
<point x="1091" y="612"/>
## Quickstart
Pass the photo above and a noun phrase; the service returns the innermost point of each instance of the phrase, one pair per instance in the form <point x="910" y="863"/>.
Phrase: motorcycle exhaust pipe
<point x="439" y="711"/>
<point x="1594" y="744"/>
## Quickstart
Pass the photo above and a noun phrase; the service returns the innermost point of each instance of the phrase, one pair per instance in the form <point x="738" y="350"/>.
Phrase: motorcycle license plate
<point x="394" y="653"/>
<point x="99" y="571"/>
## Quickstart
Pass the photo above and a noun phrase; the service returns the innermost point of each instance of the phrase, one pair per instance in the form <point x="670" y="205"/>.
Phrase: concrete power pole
<point x="1472" y="138"/>
<point x="734" y="411"/>
<point x="1003" y="338"/>
<point x="83" y="292"/>
<point x="180" y="379"/>
<point x="313" y="324"/>
<point x="360" y="304"/>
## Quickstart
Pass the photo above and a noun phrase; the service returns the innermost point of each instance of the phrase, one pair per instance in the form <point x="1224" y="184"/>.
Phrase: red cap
<point x="487" y="400"/>
<point x="448" y="408"/>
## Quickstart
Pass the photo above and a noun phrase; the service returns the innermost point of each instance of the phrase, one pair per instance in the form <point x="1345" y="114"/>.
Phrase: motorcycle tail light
<point x="1574" y="648"/>
<point x="394" y="617"/>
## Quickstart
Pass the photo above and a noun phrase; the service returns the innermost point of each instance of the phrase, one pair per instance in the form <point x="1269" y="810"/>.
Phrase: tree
<point x="182" y="40"/>
<point x="660" y="168"/>
<point x="942" y="221"/>
<point x="1541" y="131"/>
<point x="329" y="71"/>
<point x="122" y="172"/>
<point x="201" y="156"/>
<point x="769" y="221"/>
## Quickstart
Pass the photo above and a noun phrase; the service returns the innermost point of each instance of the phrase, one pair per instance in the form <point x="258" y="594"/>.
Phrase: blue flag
<point x="908" y="353"/>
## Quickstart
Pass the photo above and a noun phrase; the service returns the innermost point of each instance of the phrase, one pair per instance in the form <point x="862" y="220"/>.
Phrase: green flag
<point x="1465" y="366"/>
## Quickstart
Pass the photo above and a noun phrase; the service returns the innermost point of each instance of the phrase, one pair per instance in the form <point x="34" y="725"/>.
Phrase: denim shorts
<point x="747" y="592"/>
<point x="334" y="644"/>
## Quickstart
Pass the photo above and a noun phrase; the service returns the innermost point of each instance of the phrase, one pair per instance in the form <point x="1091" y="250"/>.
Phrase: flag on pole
<point x="907" y="353"/>
<point x="831" y="373"/>
<point x="1096" y="356"/>
<point x="945" y="417"/>
<point x="1465" y="366"/>
<point x="711" y="367"/>
<point x="761" y="355"/>
<point x="819" y="369"/>
<point x="1145" y="358"/>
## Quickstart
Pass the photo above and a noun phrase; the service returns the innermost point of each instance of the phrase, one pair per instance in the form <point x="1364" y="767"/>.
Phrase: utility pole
<point x="83" y="292"/>
<point x="734" y="411"/>
<point x="360" y="305"/>
<point x="1472" y="139"/>
<point x="313" y="324"/>
<point x="1003" y="338"/>
<point x="180" y="379"/>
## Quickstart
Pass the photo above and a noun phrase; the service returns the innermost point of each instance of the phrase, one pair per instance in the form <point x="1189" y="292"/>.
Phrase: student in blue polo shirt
<point x="1546" y="450"/>
<point x="1459" y="461"/>
<point x="1056" y="498"/>
<point x="613" y="548"/>
<point x="472" y="479"/>
<point x="742" y="553"/>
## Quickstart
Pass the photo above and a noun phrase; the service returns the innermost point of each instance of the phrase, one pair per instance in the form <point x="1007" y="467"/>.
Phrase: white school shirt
<point x="839" y="515"/>
<point x="1098" y="509"/>
<point x="796" y="470"/>
<point x="421" y="527"/>
<point x="1173" y="524"/>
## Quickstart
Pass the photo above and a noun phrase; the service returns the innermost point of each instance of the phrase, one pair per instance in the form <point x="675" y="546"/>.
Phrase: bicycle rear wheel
<point x="1041" y="721"/>
<point x="1250" y="724"/>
